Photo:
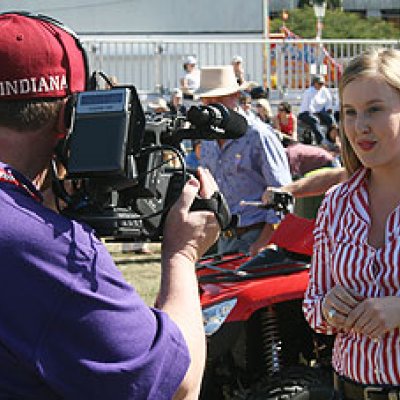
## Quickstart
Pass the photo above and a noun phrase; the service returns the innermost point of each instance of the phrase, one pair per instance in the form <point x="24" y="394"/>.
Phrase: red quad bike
<point x="259" y="345"/>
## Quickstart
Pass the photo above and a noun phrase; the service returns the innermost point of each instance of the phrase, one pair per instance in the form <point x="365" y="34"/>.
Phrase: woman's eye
<point x="349" y="112"/>
<point x="374" y="109"/>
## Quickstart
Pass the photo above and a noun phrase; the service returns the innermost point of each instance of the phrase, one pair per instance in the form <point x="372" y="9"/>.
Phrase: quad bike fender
<point x="253" y="295"/>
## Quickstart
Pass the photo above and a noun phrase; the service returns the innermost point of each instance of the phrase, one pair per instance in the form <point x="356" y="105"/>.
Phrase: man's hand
<point x="268" y="195"/>
<point x="191" y="233"/>
<point x="187" y="235"/>
<point x="262" y="241"/>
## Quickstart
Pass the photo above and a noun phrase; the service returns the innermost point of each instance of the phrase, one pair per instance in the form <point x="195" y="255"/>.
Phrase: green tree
<point x="337" y="25"/>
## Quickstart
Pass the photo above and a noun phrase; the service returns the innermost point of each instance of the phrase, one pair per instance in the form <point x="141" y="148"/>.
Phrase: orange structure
<point x="297" y="58"/>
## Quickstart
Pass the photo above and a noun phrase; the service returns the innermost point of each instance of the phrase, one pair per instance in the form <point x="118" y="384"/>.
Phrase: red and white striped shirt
<point x="342" y="256"/>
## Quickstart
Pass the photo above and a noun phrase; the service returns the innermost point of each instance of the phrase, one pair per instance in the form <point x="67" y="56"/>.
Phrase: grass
<point x="142" y="271"/>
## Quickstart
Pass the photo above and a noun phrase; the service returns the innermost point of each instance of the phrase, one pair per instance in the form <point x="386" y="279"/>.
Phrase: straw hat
<point x="217" y="81"/>
<point x="160" y="105"/>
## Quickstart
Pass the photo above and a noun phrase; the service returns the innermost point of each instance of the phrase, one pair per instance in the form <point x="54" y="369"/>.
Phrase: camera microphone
<point x="215" y="121"/>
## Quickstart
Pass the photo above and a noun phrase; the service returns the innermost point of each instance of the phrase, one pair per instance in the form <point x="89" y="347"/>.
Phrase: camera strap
<point x="10" y="178"/>
<point x="218" y="205"/>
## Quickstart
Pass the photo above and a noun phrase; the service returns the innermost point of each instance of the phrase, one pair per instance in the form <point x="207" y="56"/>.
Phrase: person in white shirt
<point x="237" y="64"/>
<point x="245" y="107"/>
<point x="190" y="82"/>
<point x="316" y="107"/>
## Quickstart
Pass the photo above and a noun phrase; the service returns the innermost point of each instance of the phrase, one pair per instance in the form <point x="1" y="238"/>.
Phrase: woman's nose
<point x="362" y="124"/>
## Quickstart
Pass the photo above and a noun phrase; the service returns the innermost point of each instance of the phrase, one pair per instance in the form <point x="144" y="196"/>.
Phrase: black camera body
<point x="119" y="179"/>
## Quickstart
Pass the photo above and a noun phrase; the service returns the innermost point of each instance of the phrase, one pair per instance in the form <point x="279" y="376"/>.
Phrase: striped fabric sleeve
<point x="320" y="279"/>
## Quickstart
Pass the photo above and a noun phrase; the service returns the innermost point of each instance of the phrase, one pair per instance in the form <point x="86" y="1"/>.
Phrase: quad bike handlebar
<point x="281" y="202"/>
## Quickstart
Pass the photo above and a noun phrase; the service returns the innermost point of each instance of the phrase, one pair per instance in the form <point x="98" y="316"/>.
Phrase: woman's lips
<point x="366" y="145"/>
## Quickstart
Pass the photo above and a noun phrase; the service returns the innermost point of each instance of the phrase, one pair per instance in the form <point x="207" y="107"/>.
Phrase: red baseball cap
<point x="39" y="59"/>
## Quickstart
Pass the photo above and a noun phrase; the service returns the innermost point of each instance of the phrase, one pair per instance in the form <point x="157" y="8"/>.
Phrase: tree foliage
<point x="336" y="25"/>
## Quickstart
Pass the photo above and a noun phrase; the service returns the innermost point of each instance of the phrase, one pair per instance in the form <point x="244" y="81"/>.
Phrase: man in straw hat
<point x="159" y="106"/>
<point x="242" y="167"/>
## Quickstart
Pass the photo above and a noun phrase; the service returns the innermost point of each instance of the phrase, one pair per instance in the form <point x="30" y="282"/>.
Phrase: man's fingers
<point x="207" y="183"/>
<point x="189" y="192"/>
<point x="268" y="195"/>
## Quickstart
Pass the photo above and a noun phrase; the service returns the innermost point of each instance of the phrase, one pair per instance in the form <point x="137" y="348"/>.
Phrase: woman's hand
<point x="374" y="316"/>
<point x="338" y="303"/>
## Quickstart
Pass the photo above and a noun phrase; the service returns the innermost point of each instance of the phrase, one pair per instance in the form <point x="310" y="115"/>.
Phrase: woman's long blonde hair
<point x="381" y="62"/>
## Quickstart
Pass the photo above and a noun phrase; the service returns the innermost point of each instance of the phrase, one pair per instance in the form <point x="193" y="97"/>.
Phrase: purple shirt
<point x="70" y="326"/>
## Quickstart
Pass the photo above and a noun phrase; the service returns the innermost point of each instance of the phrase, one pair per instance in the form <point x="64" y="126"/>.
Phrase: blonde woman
<point x="264" y="111"/>
<point x="354" y="287"/>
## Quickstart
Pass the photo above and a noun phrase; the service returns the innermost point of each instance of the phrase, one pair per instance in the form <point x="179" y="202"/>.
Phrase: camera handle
<point x="218" y="205"/>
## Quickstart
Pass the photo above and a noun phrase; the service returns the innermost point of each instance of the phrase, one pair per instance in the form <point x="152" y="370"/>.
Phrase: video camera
<point x="119" y="179"/>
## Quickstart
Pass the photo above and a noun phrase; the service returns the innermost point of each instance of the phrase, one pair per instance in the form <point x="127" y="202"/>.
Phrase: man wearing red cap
<point x="71" y="327"/>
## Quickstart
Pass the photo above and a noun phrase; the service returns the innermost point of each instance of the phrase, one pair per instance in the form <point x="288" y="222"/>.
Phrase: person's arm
<point x="263" y="239"/>
<point x="329" y="100"/>
<point x="294" y="134"/>
<point x="275" y="170"/>
<point x="315" y="184"/>
<point x="183" y="83"/>
<point x="178" y="295"/>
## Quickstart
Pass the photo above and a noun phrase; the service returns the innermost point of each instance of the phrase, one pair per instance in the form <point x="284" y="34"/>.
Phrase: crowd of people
<point x="71" y="327"/>
<point x="252" y="101"/>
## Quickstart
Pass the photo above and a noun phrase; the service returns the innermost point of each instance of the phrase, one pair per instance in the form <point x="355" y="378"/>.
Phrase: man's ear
<point x="65" y="117"/>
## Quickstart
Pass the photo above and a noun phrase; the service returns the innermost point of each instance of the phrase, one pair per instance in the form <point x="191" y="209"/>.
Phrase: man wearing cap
<point x="190" y="82"/>
<point x="237" y="64"/>
<point x="71" y="327"/>
<point x="316" y="106"/>
<point x="243" y="167"/>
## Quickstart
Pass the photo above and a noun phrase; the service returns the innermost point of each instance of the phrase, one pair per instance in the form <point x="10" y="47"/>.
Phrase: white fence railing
<point x="282" y="64"/>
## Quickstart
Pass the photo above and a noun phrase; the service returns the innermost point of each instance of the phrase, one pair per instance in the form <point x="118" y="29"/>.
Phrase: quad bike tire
<point x="295" y="383"/>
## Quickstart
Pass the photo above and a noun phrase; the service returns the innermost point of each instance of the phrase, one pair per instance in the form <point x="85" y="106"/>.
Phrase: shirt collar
<point x="25" y="183"/>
